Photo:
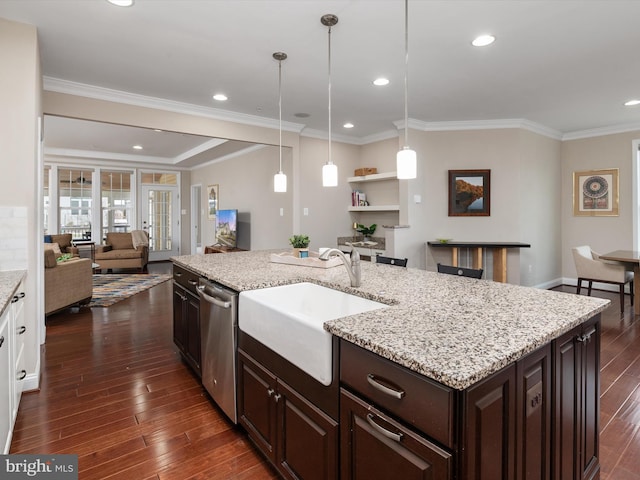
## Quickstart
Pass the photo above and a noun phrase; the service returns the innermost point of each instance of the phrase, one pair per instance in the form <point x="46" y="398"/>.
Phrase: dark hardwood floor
<point x="115" y="392"/>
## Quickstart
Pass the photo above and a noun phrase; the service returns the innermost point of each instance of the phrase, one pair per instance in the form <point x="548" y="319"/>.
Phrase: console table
<point x="498" y="249"/>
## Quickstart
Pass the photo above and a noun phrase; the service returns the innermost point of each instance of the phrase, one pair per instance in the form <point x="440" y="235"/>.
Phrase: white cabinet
<point x="381" y="190"/>
<point x="6" y="392"/>
<point x="12" y="358"/>
<point x="17" y="333"/>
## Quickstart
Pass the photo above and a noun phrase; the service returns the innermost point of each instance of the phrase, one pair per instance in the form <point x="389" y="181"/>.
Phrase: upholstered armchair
<point x="123" y="250"/>
<point x="66" y="283"/>
<point x="65" y="243"/>
<point x="591" y="268"/>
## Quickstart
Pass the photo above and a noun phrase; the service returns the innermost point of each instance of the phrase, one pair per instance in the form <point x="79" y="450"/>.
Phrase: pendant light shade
<point x="406" y="161"/>
<point x="329" y="170"/>
<point x="330" y="175"/>
<point x="280" y="179"/>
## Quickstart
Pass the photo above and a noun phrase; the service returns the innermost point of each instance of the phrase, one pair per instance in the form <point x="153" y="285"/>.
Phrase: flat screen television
<point x="227" y="228"/>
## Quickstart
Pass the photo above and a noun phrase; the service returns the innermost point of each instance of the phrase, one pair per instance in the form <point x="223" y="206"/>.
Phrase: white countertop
<point x="454" y="330"/>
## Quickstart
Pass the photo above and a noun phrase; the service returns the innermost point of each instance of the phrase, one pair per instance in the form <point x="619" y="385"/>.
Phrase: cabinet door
<point x="193" y="331"/>
<point x="256" y="405"/>
<point x="590" y="405"/>
<point x="488" y="449"/>
<point x="374" y="446"/>
<point x="179" y="317"/>
<point x="307" y="439"/>
<point x="576" y="407"/>
<point x="533" y="416"/>
<point x="6" y="379"/>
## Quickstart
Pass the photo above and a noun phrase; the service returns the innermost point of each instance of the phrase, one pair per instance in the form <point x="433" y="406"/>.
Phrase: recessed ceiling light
<point x="483" y="40"/>
<point x="121" y="3"/>
<point x="381" y="82"/>
<point x="137" y="147"/>
<point x="220" y="97"/>
<point x="632" y="103"/>
<point x="348" y="125"/>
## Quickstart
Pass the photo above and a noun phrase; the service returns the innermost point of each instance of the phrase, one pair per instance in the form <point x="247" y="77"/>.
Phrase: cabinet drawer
<point x="413" y="398"/>
<point x="374" y="445"/>
<point x="186" y="278"/>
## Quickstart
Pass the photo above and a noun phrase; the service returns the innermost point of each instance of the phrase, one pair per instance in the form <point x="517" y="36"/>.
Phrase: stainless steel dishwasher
<point x="218" y="329"/>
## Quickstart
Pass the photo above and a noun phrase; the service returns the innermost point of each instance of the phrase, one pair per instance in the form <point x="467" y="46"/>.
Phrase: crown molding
<point x="224" y="158"/>
<point x="100" y="93"/>
<point x="118" y="157"/>
<point x="598" y="132"/>
<point x="481" y="125"/>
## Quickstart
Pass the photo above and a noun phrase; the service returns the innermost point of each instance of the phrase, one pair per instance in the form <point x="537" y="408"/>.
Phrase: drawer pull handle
<point x="392" y="435"/>
<point x="177" y="274"/>
<point x="270" y="392"/>
<point x="22" y="329"/>
<point x="22" y="294"/>
<point x="22" y="374"/>
<point x="371" y="378"/>
<point x="1" y="341"/>
<point x="15" y="299"/>
<point x="193" y="282"/>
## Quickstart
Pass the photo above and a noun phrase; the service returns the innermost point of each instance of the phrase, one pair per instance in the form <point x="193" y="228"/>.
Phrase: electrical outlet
<point x="305" y="211"/>
<point x="281" y="212"/>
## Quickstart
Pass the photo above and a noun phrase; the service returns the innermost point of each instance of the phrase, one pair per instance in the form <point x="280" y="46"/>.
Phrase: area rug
<point x="110" y="288"/>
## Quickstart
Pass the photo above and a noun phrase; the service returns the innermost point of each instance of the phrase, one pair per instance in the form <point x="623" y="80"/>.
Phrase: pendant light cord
<point x="280" y="108"/>
<point x="406" y="73"/>
<point x="329" y="69"/>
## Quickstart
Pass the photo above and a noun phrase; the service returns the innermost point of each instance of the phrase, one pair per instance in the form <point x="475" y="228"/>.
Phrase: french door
<point x="159" y="217"/>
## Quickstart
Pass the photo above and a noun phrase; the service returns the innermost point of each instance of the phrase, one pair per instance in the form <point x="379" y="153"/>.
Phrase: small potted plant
<point x="366" y="231"/>
<point x="300" y="244"/>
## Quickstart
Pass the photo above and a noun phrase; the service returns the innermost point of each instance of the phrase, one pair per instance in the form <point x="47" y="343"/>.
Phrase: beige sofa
<point x="119" y="252"/>
<point x="66" y="283"/>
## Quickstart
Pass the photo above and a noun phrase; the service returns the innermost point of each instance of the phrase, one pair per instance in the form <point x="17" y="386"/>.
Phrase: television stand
<point x="222" y="249"/>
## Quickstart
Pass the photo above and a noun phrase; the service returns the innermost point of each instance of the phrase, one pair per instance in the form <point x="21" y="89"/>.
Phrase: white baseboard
<point x="31" y="382"/>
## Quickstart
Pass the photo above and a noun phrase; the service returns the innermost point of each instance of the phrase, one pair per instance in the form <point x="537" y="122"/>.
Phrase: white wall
<point x="20" y="97"/>
<point x="245" y="183"/>
<point x="603" y="234"/>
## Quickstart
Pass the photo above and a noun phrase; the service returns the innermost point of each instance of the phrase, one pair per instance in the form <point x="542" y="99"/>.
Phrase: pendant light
<point x="280" y="179"/>
<point x="406" y="158"/>
<point x="329" y="170"/>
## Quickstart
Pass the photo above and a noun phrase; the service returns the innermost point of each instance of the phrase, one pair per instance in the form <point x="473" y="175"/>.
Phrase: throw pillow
<point x="47" y="239"/>
<point x="53" y="246"/>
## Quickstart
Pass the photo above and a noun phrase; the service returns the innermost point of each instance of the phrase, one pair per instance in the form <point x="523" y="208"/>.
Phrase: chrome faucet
<point x="353" y="266"/>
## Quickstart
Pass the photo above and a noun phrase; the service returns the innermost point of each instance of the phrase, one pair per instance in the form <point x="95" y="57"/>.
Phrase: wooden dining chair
<point x="460" y="271"/>
<point x="398" y="262"/>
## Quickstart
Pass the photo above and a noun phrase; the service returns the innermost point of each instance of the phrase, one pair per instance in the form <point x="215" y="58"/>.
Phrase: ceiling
<point x="562" y="64"/>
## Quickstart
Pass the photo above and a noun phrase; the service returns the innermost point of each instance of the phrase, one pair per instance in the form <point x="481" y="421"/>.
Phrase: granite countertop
<point x="452" y="329"/>
<point x="9" y="282"/>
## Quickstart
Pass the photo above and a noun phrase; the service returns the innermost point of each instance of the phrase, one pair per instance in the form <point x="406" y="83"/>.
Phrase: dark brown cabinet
<point x="186" y="316"/>
<point x="295" y="435"/>
<point x="375" y="446"/>
<point x="489" y="433"/>
<point x="577" y="403"/>
<point x="536" y="419"/>
<point x="533" y="416"/>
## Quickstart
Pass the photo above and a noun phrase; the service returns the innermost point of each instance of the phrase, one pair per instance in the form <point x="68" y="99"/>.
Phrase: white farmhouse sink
<point x="288" y="319"/>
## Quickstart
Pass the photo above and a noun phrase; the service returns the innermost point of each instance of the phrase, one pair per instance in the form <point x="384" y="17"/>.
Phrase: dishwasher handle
<point x="217" y="302"/>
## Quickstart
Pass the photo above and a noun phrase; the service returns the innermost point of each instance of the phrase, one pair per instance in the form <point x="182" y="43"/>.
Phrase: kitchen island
<point x="500" y="361"/>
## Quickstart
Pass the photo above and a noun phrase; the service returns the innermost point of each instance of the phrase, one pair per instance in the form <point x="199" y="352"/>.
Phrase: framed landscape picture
<point x="595" y="193"/>
<point x="469" y="193"/>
